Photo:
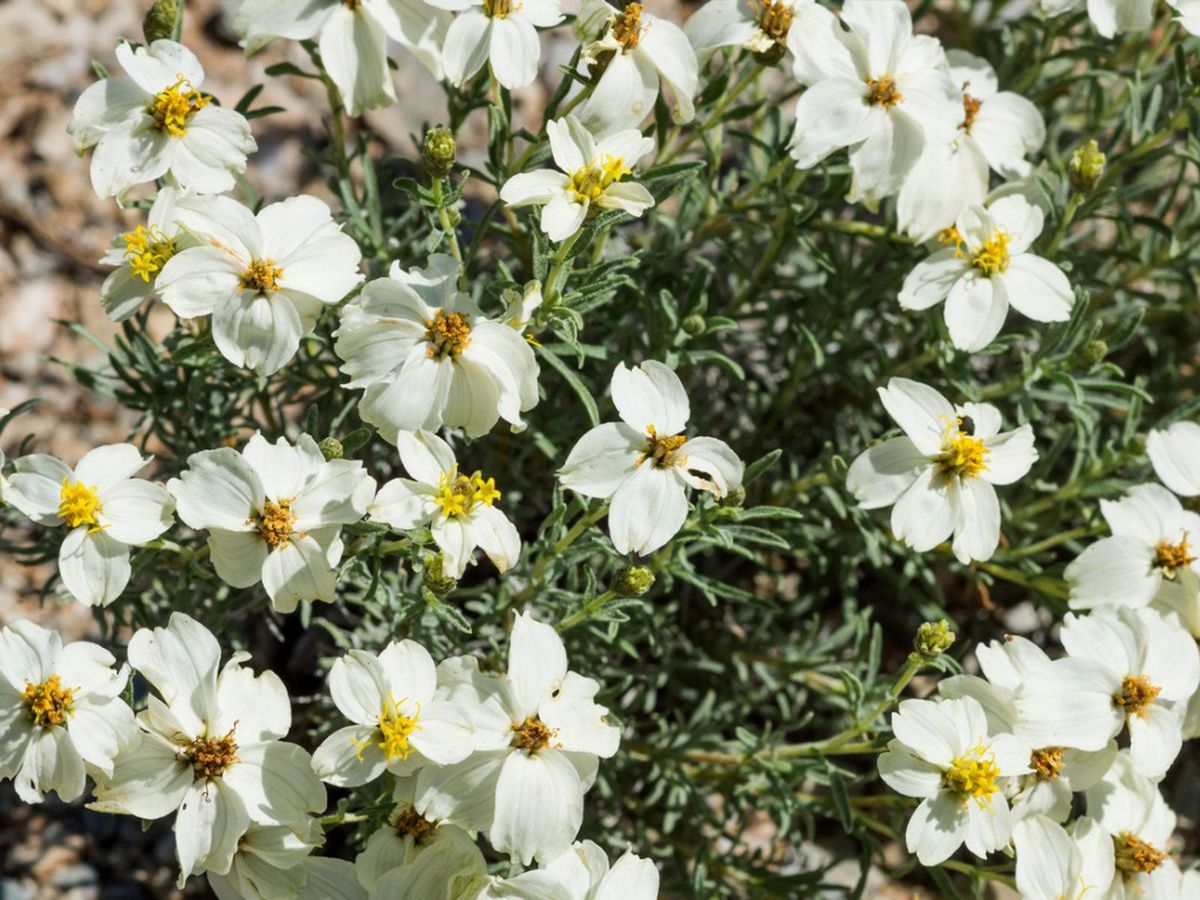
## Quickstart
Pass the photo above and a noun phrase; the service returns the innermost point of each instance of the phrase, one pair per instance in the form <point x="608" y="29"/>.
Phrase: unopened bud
<point x="438" y="151"/>
<point x="437" y="582"/>
<point x="633" y="581"/>
<point x="933" y="639"/>
<point x="771" y="55"/>
<point x="694" y="324"/>
<point x="159" y="23"/>
<point x="331" y="448"/>
<point x="1086" y="167"/>
<point x="1092" y="352"/>
<point x="735" y="498"/>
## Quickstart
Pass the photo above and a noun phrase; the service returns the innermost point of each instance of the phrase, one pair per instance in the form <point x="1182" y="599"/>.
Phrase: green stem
<point x="715" y="116"/>
<point x="542" y="566"/>
<point x="450" y="229"/>
<point x="556" y="267"/>
<point x="589" y="609"/>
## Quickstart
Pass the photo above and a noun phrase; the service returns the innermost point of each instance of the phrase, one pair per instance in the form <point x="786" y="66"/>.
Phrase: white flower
<point x="1109" y="17"/>
<point x="539" y="735"/>
<point x="459" y="509"/>
<point x="636" y="51"/>
<point x="645" y="463"/>
<point x="269" y="863"/>
<point x="1175" y="454"/>
<point x="997" y="130"/>
<point x="760" y="26"/>
<point x="210" y="748"/>
<point x="60" y="710"/>
<point x="580" y="873"/>
<point x="1128" y="806"/>
<point x="154" y="122"/>
<point x="263" y="278"/>
<point x="428" y="357"/>
<point x="399" y="723"/>
<point x="1125" y="667"/>
<point x="1149" y="552"/>
<point x="330" y="879"/>
<point x="875" y="88"/>
<point x="500" y="32"/>
<point x="591" y="180"/>
<point x="987" y="269"/>
<point x="139" y="256"/>
<point x="940" y="475"/>
<point x="944" y="754"/>
<point x="1053" y="864"/>
<point x="352" y="39"/>
<point x="274" y="513"/>
<point x="106" y="508"/>
<point x="1189" y="18"/>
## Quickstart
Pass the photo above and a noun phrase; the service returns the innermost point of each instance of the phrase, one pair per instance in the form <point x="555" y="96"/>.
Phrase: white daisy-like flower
<point x="988" y="269"/>
<point x="399" y="721"/>
<point x="998" y="130"/>
<point x="210" y="748"/>
<point x="592" y="178"/>
<point x="428" y="357"/>
<point x="1109" y="17"/>
<point x="1175" y="454"/>
<point x="270" y="862"/>
<point x="263" y="278"/>
<point x="581" y="873"/>
<point x="944" y="754"/>
<point x="1126" y="668"/>
<point x="645" y="462"/>
<point x="60" y="712"/>
<point x="759" y="26"/>
<point x="458" y="509"/>
<point x="873" y="87"/>
<point x="139" y="256"/>
<point x="154" y="122"/>
<point x="352" y="38"/>
<point x="1054" y="864"/>
<point x="941" y="474"/>
<point x="274" y="513"/>
<point x="106" y="509"/>
<point x="1150" y="552"/>
<point x="539" y="737"/>
<point x="630" y="51"/>
<point x="501" y="33"/>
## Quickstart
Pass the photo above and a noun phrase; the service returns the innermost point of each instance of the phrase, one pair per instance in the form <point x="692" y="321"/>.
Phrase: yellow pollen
<point x="395" y="729"/>
<point x="663" y="451"/>
<point x="1173" y="557"/>
<point x="774" y="20"/>
<point x="963" y="454"/>
<point x="49" y="702"/>
<point x="448" y="334"/>
<point x="458" y="494"/>
<point x="210" y="757"/>
<point x="884" y="91"/>
<point x="78" y="504"/>
<point x="147" y="250"/>
<point x="1136" y="856"/>
<point x="276" y="524"/>
<point x="973" y="776"/>
<point x="532" y="735"/>
<point x="949" y="237"/>
<point x="627" y="28"/>
<point x="175" y="105"/>
<point x="992" y="257"/>
<point x="410" y="823"/>
<point x="261" y="275"/>
<point x="591" y="181"/>
<point x="971" y="107"/>
<point x="1137" y="693"/>
<point x="500" y="9"/>
<point x="1046" y="763"/>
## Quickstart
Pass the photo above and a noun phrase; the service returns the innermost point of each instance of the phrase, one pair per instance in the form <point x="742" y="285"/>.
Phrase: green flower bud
<point x="1086" y="167"/>
<point x="159" y="23"/>
<point x="633" y="581"/>
<point x="331" y="448"/>
<point x="1091" y="353"/>
<point x="438" y="151"/>
<point x="436" y="581"/>
<point x="933" y="639"/>
<point x="694" y="324"/>
<point x="735" y="498"/>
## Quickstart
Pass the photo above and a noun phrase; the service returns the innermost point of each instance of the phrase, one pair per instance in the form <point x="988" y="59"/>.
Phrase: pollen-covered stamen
<point x="627" y="28"/>
<point x="458" y="494"/>
<point x="262" y="275"/>
<point x="532" y="735"/>
<point x="210" y="757"/>
<point x="448" y="334"/>
<point x="174" y="106"/>
<point x="1137" y="694"/>
<point x="973" y="776"/>
<point x="147" y="251"/>
<point x="1170" y="558"/>
<point x="971" y="106"/>
<point x="949" y="236"/>
<point x="49" y="703"/>
<point x="395" y="730"/>
<point x="883" y="91"/>
<point x="78" y="503"/>
<point x="500" y="9"/>
<point x="276" y="524"/>
<point x="963" y="454"/>
<point x="774" y="19"/>
<point x="992" y="257"/>
<point x="410" y="823"/>
<point x="1046" y="763"/>
<point x="591" y="181"/>
<point x="663" y="451"/>
<point x="1134" y="855"/>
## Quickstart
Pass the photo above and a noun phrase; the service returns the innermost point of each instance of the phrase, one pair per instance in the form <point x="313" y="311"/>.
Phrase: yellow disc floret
<point x="992" y="258"/>
<point x="79" y="504"/>
<point x="774" y="19"/>
<point x="210" y="757"/>
<point x="973" y="775"/>
<point x="963" y="454"/>
<point x="395" y="731"/>
<point x="1137" y="694"/>
<point x="147" y="251"/>
<point x="663" y="451"/>
<point x="500" y="9"/>
<point x="1170" y="558"/>
<point x="532" y="735"/>
<point x="276" y="524"/>
<point x="1133" y="855"/>
<point x="627" y="28"/>
<point x="261" y="275"/>
<point x="883" y="91"/>
<point x="448" y="334"/>
<point x="49" y="702"/>
<point x="971" y="107"/>
<point x="591" y="181"/>
<point x="174" y="106"/>
<point x="458" y="494"/>
<point x="1046" y="763"/>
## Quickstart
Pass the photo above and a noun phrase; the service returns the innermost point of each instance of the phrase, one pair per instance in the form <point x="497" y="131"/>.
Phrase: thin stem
<point x="556" y="266"/>
<point x="589" y="609"/>
<point x="715" y="116"/>
<point x="542" y="566"/>
<point x="450" y="229"/>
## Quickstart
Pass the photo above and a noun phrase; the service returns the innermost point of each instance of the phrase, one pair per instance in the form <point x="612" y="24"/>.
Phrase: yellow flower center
<point x="1173" y="557"/>
<point x="971" y="106"/>
<point x="627" y="28"/>
<point x="774" y="20"/>
<point x="883" y="91"/>
<point x="276" y="523"/>
<point x="963" y="454"/>
<point x="410" y="823"/>
<point x="500" y="9"/>
<point x="1134" y="855"/>
<point x="448" y="334"/>
<point x="175" y="105"/>
<point x="147" y="251"/>
<point x="663" y="451"/>
<point x="949" y="236"/>
<point x="992" y="257"/>
<point x="532" y="735"/>
<point x="1137" y="693"/>
<point x="350" y="4"/>
<point x="49" y="702"/>
<point x="973" y="776"/>
<point x="78" y="504"/>
<point x="210" y="757"/>
<point x="591" y="181"/>
<point x="261" y="275"/>
<point x="395" y="730"/>
<point x="458" y="494"/>
<point x="1046" y="763"/>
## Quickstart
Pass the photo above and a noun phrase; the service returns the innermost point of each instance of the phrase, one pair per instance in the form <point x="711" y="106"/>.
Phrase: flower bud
<point x="1086" y="167"/>
<point x="438" y="151"/>
<point x="436" y="581"/>
<point x="735" y="498"/>
<point x="694" y="324"/>
<point x="159" y="23"/>
<point x="933" y="639"/>
<point x="1091" y="353"/>
<point x="331" y="448"/>
<point x="633" y="581"/>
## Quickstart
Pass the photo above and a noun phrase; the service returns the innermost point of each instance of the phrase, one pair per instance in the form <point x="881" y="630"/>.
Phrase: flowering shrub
<point x="565" y="645"/>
